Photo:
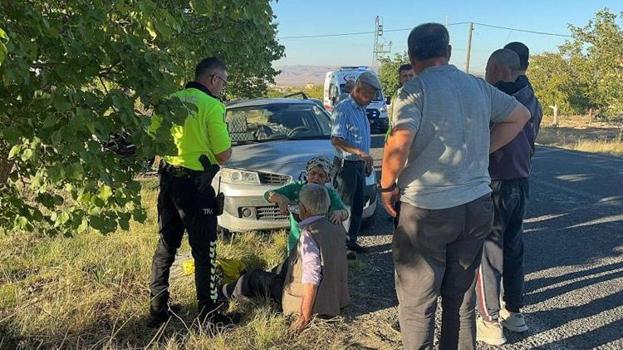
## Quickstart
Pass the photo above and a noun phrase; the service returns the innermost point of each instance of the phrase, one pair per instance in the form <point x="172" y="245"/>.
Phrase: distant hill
<point x="301" y="75"/>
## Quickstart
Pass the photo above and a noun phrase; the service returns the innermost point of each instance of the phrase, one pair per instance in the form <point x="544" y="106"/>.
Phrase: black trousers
<point x="182" y="206"/>
<point x="501" y="271"/>
<point x="350" y="181"/>
<point x="259" y="283"/>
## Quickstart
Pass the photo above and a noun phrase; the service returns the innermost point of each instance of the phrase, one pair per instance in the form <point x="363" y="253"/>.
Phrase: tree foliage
<point x="388" y="72"/>
<point x="77" y="71"/>
<point x="311" y="90"/>
<point x="587" y="72"/>
<point x="552" y="80"/>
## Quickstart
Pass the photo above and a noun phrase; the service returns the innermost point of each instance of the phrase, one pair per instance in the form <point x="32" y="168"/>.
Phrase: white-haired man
<point x="314" y="280"/>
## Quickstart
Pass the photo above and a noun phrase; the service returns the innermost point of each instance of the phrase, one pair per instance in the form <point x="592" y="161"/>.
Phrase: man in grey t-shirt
<point x="439" y="152"/>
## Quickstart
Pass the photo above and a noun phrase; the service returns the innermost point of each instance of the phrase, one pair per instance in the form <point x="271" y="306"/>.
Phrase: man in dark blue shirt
<point x="509" y="167"/>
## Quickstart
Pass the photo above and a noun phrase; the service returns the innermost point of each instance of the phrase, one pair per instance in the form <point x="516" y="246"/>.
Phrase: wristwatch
<point x="388" y="189"/>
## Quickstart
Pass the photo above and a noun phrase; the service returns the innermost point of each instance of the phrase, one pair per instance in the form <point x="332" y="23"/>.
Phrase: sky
<point x="318" y="17"/>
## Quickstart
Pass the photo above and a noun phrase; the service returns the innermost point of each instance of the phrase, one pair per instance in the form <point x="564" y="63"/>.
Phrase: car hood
<point x="287" y="157"/>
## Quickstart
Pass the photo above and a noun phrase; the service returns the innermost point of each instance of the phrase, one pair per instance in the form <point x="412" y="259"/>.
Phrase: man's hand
<point x="283" y="203"/>
<point x="281" y="200"/>
<point x="224" y="156"/>
<point x="395" y="156"/>
<point x="339" y="143"/>
<point x="299" y="324"/>
<point x="337" y="216"/>
<point x="388" y="199"/>
<point x="307" y="305"/>
<point x="368" y="160"/>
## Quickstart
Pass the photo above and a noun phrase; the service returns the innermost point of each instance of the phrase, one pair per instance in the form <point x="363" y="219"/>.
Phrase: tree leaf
<point x="3" y="49"/>
<point x="27" y="154"/>
<point x="104" y="193"/>
<point x="14" y="151"/>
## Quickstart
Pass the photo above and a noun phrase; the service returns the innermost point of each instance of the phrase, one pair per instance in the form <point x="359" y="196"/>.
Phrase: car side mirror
<point x="388" y="100"/>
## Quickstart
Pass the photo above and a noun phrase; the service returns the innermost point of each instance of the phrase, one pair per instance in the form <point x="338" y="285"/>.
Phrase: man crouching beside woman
<point x="314" y="278"/>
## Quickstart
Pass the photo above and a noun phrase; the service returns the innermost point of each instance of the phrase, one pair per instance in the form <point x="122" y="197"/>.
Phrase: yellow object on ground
<point x="231" y="269"/>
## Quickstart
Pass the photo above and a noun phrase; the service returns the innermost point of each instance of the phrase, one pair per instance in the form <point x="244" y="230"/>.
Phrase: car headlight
<point x="383" y="109"/>
<point x="240" y="177"/>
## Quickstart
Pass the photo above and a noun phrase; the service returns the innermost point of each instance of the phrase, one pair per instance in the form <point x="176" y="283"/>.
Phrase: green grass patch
<point x="92" y="291"/>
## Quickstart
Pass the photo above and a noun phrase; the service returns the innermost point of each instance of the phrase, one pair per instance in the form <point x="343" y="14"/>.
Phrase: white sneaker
<point x="489" y="332"/>
<point x="513" y="321"/>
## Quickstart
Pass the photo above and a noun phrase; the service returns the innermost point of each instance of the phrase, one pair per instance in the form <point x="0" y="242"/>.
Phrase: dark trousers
<point x="502" y="257"/>
<point x="350" y="181"/>
<point x="258" y="283"/>
<point x="396" y="220"/>
<point x="182" y="206"/>
<point x="436" y="253"/>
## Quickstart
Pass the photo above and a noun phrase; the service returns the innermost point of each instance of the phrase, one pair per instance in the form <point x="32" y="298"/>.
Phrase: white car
<point x="272" y="141"/>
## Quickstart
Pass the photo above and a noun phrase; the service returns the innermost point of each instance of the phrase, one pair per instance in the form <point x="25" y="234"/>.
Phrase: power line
<point x="406" y="29"/>
<point x="323" y="35"/>
<point x="523" y="30"/>
<point x="353" y="33"/>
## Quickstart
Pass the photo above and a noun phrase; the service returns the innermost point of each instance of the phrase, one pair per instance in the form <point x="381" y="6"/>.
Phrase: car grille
<point x="274" y="179"/>
<point x="270" y="213"/>
<point x="373" y="113"/>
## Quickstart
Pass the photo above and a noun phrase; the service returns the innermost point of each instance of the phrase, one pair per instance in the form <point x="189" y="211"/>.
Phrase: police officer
<point x="186" y="200"/>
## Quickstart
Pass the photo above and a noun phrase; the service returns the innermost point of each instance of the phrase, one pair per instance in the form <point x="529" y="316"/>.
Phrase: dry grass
<point x="91" y="291"/>
<point x="580" y="134"/>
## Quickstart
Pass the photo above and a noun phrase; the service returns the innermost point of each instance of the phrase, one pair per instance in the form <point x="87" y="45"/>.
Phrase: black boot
<point x="160" y="315"/>
<point x="157" y="317"/>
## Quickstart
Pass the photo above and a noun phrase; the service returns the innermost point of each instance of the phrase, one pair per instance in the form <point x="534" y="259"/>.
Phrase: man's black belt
<point x="177" y="171"/>
<point x="341" y="161"/>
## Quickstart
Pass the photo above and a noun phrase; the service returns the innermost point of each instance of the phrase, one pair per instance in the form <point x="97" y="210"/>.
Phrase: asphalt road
<point x="573" y="259"/>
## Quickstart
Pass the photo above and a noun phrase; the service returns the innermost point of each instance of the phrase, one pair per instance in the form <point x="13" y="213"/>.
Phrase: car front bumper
<point x="247" y="210"/>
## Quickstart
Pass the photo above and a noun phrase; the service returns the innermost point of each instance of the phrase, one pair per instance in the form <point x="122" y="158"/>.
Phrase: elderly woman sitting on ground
<point x="314" y="278"/>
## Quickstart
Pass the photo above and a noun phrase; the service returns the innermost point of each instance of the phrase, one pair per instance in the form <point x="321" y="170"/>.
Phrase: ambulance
<point x="334" y="88"/>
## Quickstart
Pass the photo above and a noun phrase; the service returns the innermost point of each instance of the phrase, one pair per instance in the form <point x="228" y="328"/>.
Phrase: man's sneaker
<point x="355" y="247"/>
<point x="489" y="332"/>
<point x="513" y="321"/>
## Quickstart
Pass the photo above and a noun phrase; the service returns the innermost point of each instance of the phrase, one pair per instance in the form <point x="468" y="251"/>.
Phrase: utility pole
<point x="379" y="48"/>
<point x="469" y="45"/>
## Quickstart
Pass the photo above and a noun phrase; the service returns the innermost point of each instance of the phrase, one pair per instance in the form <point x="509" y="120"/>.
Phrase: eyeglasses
<point x="221" y="79"/>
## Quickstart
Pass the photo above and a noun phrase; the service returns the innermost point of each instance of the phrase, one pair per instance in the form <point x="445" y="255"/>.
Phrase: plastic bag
<point x="227" y="270"/>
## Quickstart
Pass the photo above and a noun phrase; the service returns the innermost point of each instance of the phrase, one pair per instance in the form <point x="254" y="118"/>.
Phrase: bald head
<point x="503" y="65"/>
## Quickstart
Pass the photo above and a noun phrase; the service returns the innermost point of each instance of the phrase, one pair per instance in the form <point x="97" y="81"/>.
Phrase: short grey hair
<point x="506" y="58"/>
<point x="315" y="198"/>
<point x="427" y="41"/>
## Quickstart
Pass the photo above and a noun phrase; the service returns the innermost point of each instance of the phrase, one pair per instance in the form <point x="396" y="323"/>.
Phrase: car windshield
<point x="377" y="97"/>
<point x="278" y="121"/>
